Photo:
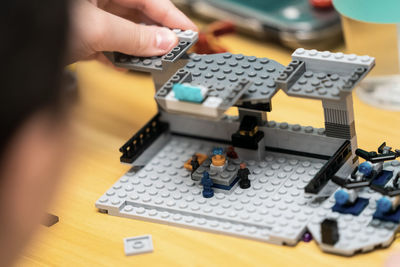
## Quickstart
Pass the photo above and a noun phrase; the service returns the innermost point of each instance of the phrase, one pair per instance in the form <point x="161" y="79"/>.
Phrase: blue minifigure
<point x="207" y="184"/>
<point x="217" y="151"/>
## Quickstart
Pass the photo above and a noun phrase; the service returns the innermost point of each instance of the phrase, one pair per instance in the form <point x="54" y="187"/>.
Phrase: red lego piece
<point x="321" y="3"/>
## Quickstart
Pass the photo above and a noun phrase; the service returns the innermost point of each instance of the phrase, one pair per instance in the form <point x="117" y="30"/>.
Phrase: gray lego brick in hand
<point x="221" y="70"/>
<point x="145" y="64"/>
<point x="156" y="63"/>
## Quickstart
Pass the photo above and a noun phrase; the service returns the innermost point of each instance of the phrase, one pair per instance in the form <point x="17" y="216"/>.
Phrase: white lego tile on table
<point x="138" y="245"/>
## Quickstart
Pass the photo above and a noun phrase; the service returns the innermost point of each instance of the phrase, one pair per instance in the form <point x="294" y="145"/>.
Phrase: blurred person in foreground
<point x="38" y="39"/>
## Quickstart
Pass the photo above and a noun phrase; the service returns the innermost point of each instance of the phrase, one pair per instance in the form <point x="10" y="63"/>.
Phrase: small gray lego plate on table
<point x="323" y="75"/>
<point x="138" y="245"/>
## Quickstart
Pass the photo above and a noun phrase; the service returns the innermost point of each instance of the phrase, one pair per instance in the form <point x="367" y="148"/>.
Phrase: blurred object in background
<point x="379" y="92"/>
<point x="321" y="3"/>
<point x="370" y="28"/>
<point x="293" y="23"/>
<point x="208" y="42"/>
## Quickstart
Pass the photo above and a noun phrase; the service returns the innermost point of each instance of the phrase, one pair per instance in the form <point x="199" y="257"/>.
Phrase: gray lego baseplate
<point x="323" y="75"/>
<point x="275" y="209"/>
<point x="138" y="245"/>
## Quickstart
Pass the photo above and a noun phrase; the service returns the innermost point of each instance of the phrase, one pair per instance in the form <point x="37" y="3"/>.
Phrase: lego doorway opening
<point x="285" y="109"/>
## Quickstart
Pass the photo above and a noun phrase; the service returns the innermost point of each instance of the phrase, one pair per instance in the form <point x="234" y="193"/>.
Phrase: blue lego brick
<point x="184" y="92"/>
<point x="226" y="187"/>
<point x="388" y="217"/>
<point x="383" y="178"/>
<point x="354" y="209"/>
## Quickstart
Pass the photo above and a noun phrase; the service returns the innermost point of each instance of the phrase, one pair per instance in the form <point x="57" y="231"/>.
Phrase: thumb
<point x="119" y="34"/>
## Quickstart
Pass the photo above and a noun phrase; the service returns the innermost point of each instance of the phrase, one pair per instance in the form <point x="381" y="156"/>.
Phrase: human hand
<point x="393" y="260"/>
<point x="113" y="25"/>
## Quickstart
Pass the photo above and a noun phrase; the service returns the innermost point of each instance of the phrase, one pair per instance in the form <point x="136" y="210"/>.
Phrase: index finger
<point x="162" y="12"/>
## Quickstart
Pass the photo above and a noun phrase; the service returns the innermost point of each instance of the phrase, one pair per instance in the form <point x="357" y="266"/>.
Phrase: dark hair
<point x="33" y="46"/>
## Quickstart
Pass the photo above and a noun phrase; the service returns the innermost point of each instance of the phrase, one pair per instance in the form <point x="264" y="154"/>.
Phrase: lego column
<point x="339" y="119"/>
<point x="260" y="115"/>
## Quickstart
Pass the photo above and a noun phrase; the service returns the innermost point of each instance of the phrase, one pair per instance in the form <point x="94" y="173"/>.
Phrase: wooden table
<point x="113" y="105"/>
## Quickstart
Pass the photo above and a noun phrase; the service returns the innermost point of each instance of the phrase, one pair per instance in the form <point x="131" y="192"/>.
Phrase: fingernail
<point x="165" y="39"/>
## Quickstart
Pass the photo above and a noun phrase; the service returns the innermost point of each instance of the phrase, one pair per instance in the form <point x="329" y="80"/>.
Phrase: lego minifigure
<point x="207" y="184"/>
<point x="194" y="163"/>
<point x="243" y="175"/>
<point x="231" y="153"/>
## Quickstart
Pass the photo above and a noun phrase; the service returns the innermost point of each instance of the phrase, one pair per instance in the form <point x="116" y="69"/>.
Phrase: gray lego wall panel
<point x="189" y="125"/>
<point x="299" y="138"/>
<point x="277" y="135"/>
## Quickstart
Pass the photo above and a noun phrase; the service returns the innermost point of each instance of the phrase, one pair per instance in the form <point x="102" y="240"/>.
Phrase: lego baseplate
<point x="275" y="209"/>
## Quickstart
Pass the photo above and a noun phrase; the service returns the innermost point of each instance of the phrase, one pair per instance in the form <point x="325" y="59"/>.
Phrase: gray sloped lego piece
<point x="359" y="233"/>
<point x="221" y="70"/>
<point x="290" y="74"/>
<point x="275" y="209"/>
<point x="177" y="52"/>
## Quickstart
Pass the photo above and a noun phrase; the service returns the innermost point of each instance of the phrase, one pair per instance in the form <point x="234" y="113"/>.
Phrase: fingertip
<point x="189" y="25"/>
<point x="393" y="260"/>
<point x="165" y="39"/>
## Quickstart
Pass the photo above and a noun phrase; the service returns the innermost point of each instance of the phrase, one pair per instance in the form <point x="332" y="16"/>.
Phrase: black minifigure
<point x="243" y="175"/>
<point x="194" y="163"/>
